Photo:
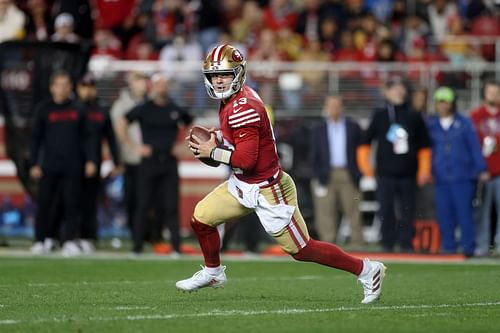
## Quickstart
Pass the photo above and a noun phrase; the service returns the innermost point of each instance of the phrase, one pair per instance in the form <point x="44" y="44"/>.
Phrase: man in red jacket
<point x="258" y="183"/>
<point x="486" y="119"/>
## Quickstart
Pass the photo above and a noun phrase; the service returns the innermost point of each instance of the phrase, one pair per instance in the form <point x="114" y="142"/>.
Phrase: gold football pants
<point x="220" y="206"/>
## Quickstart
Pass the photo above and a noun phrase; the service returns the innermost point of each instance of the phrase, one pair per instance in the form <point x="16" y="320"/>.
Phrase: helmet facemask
<point x="234" y="87"/>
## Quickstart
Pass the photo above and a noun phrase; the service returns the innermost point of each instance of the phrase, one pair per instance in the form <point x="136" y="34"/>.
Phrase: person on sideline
<point x="403" y="161"/>
<point x="130" y="96"/>
<point x="486" y="119"/>
<point x="159" y="119"/>
<point x="60" y="153"/>
<point x="335" y="172"/>
<point x="99" y="124"/>
<point x="457" y="164"/>
<point x="257" y="183"/>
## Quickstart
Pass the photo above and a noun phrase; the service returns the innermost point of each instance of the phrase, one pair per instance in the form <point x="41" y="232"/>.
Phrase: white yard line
<point x="146" y="282"/>
<point x="127" y="308"/>
<point x="224" y="313"/>
<point x="95" y="283"/>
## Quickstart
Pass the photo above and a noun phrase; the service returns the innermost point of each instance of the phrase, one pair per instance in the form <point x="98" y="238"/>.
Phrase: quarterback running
<point x="245" y="142"/>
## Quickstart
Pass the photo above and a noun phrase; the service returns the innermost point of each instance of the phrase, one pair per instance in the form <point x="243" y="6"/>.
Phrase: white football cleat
<point x="86" y="246"/>
<point x="49" y="245"/>
<point x="174" y="255"/>
<point x="202" y="279"/>
<point x="371" y="278"/>
<point x="37" y="248"/>
<point x="70" y="249"/>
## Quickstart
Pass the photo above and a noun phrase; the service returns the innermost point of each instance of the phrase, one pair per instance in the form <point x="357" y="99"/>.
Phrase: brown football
<point x="203" y="134"/>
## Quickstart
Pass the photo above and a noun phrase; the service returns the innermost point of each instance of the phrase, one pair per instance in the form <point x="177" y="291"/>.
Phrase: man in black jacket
<point x="100" y="127"/>
<point x="60" y="147"/>
<point x="403" y="160"/>
<point x="335" y="173"/>
<point x="159" y="119"/>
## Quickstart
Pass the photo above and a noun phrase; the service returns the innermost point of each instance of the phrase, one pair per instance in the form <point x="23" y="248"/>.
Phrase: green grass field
<point x="120" y="295"/>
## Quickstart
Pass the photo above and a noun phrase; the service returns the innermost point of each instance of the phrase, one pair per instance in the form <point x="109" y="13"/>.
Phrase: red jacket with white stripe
<point x="488" y="124"/>
<point x="246" y="130"/>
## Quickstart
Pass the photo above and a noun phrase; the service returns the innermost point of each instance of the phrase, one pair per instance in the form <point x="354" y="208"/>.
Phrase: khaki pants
<point x="340" y="190"/>
<point x="219" y="206"/>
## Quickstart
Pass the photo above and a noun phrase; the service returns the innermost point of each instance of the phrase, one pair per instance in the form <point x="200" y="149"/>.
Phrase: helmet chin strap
<point x="224" y="94"/>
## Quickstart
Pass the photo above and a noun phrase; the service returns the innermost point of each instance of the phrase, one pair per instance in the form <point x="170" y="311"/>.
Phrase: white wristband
<point x="221" y="155"/>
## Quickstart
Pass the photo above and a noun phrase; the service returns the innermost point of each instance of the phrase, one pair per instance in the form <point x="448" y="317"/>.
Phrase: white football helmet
<point x="224" y="59"/>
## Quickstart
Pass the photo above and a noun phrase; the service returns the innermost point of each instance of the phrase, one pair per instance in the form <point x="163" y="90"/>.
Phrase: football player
<point x="257" y="183"/>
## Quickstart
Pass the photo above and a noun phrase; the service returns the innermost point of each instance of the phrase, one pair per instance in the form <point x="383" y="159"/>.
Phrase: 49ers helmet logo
<point x="237" y="56"/>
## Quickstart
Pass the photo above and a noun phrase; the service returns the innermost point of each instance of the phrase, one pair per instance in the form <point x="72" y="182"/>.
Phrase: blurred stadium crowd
<point x="337" y="30"/>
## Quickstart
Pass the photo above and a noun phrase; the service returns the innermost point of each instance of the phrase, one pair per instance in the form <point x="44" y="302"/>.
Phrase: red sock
<point x="331" y="255"/>
<point x="209" y="240"/>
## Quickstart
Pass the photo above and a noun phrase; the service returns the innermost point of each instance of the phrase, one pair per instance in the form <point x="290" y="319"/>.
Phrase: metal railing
<point x="298" y="88"/>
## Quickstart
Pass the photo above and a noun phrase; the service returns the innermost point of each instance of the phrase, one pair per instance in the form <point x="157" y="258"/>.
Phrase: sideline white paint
<point x="187" y="169"/>
<point x="284" y="312"/>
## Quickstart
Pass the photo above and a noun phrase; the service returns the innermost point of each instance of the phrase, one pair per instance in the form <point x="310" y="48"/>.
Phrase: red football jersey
<point x="488" y="124"/>
<point x="246" y="130"/>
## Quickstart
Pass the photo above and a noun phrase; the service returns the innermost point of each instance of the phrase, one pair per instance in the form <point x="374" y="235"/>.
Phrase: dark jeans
<point x="397" y="226"/>
<point x="69" y="187"/>
<point x="90" y="194"/>
<point x="158" y="184"/>
<point x="131" y="180"/>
